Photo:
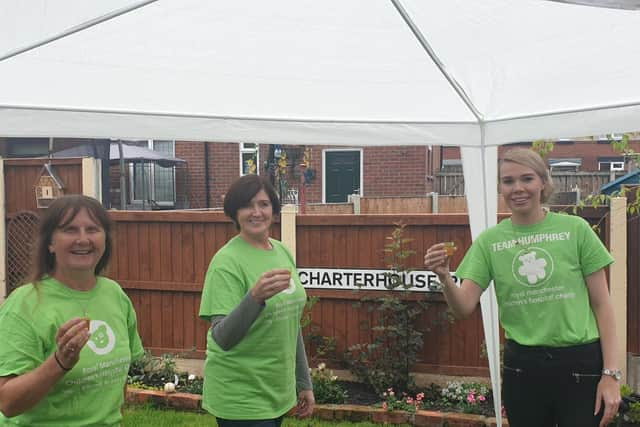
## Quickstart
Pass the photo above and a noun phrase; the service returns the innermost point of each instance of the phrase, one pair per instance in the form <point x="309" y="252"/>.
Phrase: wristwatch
<point x="615" y="373"/>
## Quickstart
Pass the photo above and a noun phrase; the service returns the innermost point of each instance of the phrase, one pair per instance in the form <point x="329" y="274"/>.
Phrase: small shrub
<point x="470" y="398"/>
<point x="152" y="373"/>
<point x="405" y="402"/>
<point x="398" y="329"/>
<point x="630" y="408"/>
<point x="325" y="387"/>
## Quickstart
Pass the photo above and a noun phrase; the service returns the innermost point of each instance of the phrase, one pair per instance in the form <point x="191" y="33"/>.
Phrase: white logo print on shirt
<point x="532" y="266"/>
<point x="102" y="340"/>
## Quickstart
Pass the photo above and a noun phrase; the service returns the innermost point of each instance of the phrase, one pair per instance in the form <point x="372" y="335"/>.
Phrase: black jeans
<point x="549" y="386"/>
<point x="249" y="423"/>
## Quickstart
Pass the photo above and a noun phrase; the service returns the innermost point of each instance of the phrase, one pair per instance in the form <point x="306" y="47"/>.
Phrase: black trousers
<point x="276" y="422"/>
<point x="551" y="386"/>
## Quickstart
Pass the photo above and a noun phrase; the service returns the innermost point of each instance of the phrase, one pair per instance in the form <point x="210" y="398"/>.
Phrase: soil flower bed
<point x="189" y="401"/>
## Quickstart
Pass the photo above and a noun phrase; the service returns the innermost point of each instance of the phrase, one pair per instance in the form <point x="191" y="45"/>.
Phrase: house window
<point x="152" y="183"/>
<point x="248" y="158"/>
<point x="566" y="164"/>
<point x="27" y="147"/>
<point x="611" y="164"/>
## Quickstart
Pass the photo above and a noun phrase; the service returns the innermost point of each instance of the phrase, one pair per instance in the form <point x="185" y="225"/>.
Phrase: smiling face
<point x="256" y="218"/>
<point x="521" y="187"/>
<point x="78" y="246"/>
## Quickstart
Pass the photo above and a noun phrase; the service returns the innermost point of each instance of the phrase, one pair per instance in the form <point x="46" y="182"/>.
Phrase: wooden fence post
<point x="618" y="276"/>
<point x="3" y="234"/>
<point x="288" y="227"/>
<point x="91" y="178"/>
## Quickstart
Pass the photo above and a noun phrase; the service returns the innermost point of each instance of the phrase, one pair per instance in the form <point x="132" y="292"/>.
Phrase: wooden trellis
<point x="21" y="234"/>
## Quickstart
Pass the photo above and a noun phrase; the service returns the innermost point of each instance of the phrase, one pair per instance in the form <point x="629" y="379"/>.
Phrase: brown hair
<point x="243" y="190"/>
<point x="66" y="208"/>
<point x="531" y="159"/>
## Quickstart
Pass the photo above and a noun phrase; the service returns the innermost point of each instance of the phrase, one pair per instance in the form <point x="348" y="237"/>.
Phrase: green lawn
<point x="151" y="417"/>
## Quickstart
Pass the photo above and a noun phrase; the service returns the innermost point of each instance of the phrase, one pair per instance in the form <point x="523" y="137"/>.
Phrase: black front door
<point x="342" y="175"/>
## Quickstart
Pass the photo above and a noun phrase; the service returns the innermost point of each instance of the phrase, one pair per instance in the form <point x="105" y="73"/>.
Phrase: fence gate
<point x="21" y="234"/>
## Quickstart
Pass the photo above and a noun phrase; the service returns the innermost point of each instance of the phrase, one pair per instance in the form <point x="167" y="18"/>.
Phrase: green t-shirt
<point x="256" y="378"/>
<point x="539" y="275"/>
<point x="92" y="393"/>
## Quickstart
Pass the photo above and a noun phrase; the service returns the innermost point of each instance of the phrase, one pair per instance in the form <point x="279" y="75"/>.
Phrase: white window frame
<point x="246" y="150"/>
<point x="612" y="165"/>
<point x="324" y="169"/>
<point x="616" y="166"/>
<point x="150" y="146"/>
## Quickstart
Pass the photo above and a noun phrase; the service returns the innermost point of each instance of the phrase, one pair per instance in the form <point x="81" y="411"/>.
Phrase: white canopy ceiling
<point x="355" y="72"/>
<point x="330" y="72"/>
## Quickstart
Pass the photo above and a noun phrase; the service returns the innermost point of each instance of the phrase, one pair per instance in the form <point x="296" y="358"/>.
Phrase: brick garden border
<point x="330" y="412"/>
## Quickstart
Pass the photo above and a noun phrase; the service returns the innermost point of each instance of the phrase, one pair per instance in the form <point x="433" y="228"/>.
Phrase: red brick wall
<point x="588" y="151"/>
<point x="194" y="154"/>
<point x="388" y="171"/>
<point x="395" y="171"/>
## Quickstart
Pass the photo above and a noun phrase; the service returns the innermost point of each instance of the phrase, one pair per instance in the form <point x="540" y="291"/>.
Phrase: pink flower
<point x="409" y="400"/>
<point x="471" y="398"/>
<point x="420" y="396"/>
<point x="481" y="398"/>
<point x="385" y="406"/>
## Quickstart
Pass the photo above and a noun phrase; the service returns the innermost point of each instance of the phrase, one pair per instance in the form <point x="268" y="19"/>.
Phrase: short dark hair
<point x="67" y="207"/>
<point x="243" y="190"/>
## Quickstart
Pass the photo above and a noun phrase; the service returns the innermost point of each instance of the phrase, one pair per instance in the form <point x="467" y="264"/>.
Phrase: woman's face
<point x="255" y="219"/>
<point x="79" y="245"/>
<point x="521" y="187"/>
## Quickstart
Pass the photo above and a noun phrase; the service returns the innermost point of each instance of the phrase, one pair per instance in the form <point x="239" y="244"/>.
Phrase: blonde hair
<point x="532" y="160"/>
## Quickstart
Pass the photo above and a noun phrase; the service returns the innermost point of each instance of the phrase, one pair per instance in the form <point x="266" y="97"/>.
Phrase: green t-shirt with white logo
<point x="539" y="275"/>
<point x="92" y="393"/>
<point x="256" y="378"/>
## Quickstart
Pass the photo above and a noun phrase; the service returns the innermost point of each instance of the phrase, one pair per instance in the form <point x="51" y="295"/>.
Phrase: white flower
<point x="169" y="387"/>
<point x="322" y="366"/>
<point x="192" y="377"/>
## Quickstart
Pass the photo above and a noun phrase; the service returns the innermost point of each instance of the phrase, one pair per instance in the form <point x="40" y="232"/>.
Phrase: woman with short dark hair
<point x="70" y="334"/>
<point x="256" y="368"/>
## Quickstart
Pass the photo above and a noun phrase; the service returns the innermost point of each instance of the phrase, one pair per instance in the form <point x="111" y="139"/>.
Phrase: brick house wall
<point x="589" y="151"/>
<point x="387" y="171"/>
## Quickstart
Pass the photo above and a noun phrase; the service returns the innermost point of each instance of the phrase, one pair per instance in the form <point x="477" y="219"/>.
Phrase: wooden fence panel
<point x="633" y="282"/>
<point x="167" y="298"/>
<point x="160" y="259"/>
<point x="357" y="242"/>
<point x="21" y="176"/>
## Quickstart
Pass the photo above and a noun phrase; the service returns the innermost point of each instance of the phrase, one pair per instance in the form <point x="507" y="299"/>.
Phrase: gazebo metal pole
<point x="123" y="188"/>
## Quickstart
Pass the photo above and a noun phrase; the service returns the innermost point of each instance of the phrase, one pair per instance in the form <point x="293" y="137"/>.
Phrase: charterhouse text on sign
<point x="368" y="280"/>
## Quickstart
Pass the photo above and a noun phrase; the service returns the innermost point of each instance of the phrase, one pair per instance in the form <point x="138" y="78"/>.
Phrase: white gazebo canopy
<point x="475" y="74"/>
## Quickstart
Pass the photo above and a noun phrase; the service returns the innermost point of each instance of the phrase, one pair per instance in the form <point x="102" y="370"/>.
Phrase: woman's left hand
<point x="608" y="394"/>
<point x="70" y="339"/>
<point x="306" y="402"/>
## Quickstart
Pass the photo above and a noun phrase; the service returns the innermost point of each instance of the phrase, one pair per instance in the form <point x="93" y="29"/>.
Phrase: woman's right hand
<point x="436" y="260"/>
<point x="70" y="339"/>
<point x="271" y="283"/>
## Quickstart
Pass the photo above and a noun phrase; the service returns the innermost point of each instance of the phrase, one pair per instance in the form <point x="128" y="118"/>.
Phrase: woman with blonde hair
<point x="560" y="357"/>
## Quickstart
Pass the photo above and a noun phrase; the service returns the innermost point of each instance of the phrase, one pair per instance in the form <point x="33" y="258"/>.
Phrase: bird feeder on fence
<point x="48" y="187"/>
